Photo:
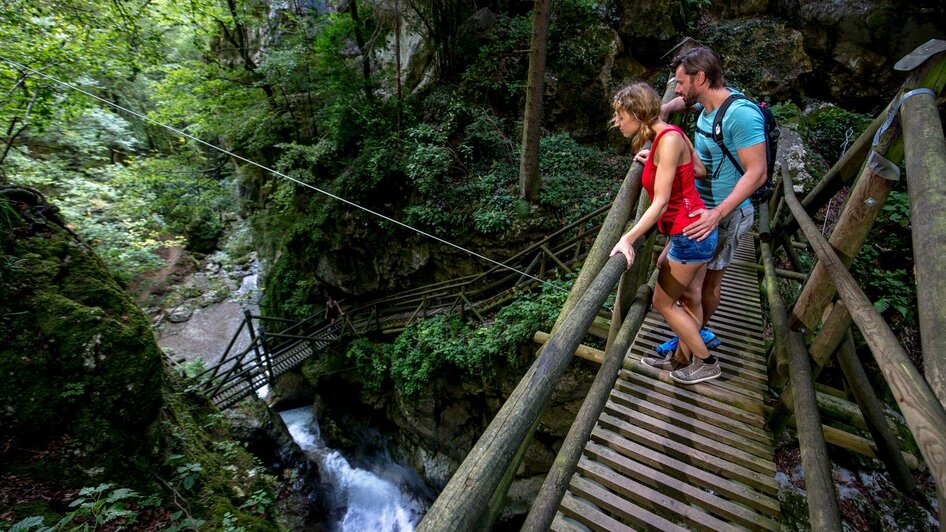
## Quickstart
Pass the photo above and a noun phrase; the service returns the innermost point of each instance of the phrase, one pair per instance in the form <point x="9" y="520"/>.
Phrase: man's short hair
<point x="701" y="59"/>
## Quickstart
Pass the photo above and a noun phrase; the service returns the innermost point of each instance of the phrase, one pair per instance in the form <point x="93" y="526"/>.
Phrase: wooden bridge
<point x="647" y="453"/>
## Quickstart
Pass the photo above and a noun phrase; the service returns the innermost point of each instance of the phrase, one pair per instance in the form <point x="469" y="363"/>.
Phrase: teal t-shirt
<point x="743" y="126"/>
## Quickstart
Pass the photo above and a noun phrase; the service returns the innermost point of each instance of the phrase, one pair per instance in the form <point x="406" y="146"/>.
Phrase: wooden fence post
<point x="921" y="409"/>
<point x="467" y="495"/>
<point x="926" y="182"/>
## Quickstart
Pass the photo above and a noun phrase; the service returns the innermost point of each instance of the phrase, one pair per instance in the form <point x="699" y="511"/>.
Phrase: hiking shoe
<point x="697" y="371"/>
<point x="665" y="363"/>
<point x="708" y="336"/>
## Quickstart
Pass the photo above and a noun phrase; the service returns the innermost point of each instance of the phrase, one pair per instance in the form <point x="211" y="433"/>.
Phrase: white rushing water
<point x="383" y="499"/>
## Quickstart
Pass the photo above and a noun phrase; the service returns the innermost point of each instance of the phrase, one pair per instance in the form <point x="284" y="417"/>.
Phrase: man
<point x="725" y="190"/>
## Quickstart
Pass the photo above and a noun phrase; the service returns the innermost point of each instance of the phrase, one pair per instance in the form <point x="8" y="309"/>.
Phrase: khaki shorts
<point x="731" y="229"/>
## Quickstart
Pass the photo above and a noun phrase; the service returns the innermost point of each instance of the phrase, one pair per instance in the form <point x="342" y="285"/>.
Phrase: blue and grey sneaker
<point x="708" y="336"/>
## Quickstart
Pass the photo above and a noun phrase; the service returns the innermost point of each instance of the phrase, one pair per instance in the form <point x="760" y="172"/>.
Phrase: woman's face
<point x="627" y="123"/>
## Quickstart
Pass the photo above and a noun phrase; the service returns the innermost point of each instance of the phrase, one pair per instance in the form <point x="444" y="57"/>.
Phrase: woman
<point x="669" y="169"/>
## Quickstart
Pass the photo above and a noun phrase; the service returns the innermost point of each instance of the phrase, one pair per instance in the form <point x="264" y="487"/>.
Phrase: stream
<point x="384" y="496"/>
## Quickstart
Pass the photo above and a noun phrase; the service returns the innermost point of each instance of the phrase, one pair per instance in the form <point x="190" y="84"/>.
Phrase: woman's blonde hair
<point x="640" y="101"/>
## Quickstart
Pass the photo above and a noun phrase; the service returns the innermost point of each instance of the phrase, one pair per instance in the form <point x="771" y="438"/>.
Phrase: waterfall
<point x="385" y="497"/>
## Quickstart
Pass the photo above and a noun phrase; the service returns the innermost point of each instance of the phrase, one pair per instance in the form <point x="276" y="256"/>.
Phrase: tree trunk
<point x="529" y="180"/>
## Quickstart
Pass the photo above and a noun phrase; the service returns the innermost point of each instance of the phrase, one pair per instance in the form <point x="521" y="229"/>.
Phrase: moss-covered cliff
<point x="87" y="400"/>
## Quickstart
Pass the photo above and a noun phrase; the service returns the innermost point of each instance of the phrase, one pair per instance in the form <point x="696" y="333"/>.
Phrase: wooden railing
<point x="881" y="148"/>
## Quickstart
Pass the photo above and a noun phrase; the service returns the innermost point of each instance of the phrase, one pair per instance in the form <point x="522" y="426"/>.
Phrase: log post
<point x="823" y="512"/>
<point x="887" y="447"/>
<point x="832" y="333"/>
<point x="778" y="362"/>
<point x="926" y="182"/>
<point x="921" y="409"/>
<point x="467" y="495"/>
<point x="863" y="205"/>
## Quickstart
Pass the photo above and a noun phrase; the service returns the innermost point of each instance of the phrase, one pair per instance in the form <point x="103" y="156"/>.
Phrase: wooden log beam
<point x="823" y="512"/>
<point x="566" y="462"/>
<point x="923" y="412"/>
<point x="865" y="200"/>
<point x="854" y="443"/>
<point x="832" y="333"/>
<point x="888" y="450"/>
<point x="926" y="182"/>
<point x="465" y="499"/>
<point x="778" y="362"/>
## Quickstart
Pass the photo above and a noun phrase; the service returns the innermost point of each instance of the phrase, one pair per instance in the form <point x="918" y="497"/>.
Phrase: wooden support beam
<point x="866" y="200"/>
<point x="778" y="362"/>
<point x="832" y="333"/>
<point x="823" y="512"/>
<point x="466" y="497"/>
<point x="556" y="259"/>
<point x="926" y="182"/>
<point x="921" y="409"/>
<point x="550" y="494"/>
<point x="888" y="450"/>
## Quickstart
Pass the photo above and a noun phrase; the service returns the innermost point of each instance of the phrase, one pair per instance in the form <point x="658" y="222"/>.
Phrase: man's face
<point x="690" y="87"/>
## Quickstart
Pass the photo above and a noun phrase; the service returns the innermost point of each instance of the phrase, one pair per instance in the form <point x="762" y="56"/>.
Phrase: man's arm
<point x="752" y="158"/>
<point x="676" y="105"/>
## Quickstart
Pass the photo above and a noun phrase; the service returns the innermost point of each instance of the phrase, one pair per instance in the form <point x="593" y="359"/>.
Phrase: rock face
<point x="433" y="432"/>
<point x="853" y="45"/>
<point x="763" y="55"/>
<point x="77" y="354"/>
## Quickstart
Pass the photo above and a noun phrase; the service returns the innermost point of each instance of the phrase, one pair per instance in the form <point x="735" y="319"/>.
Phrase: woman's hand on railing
<point x="625" y="248"/>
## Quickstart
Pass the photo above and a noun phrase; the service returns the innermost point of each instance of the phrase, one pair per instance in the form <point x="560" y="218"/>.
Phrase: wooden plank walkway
<point x="667" y="456"/>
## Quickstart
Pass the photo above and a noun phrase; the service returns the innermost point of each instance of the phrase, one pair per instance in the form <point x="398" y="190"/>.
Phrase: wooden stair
<point x="666" y="456"/>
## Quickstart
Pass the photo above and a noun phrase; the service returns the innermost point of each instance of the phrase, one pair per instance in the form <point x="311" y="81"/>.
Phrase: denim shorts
<point x="686" y="251"/>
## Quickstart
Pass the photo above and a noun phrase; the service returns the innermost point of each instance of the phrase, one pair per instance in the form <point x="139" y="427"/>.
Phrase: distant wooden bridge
<point x="646" y="453"/>
<point x="277" y="345"/>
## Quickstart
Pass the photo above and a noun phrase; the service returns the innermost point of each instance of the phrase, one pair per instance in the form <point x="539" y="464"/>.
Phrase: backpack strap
<point x="717" y="133"/>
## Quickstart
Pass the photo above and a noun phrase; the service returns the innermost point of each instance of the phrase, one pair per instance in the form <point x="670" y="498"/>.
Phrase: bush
<point x="830" y="130"/>
<point x="446" y="344"/>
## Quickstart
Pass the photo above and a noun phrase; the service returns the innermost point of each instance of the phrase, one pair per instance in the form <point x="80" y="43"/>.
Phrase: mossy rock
<point x="78" y="356"/>
<point x="762" y="55"/>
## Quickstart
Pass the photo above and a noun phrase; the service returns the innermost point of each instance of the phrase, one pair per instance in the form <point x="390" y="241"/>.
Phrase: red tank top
<point x="684" y="198"/>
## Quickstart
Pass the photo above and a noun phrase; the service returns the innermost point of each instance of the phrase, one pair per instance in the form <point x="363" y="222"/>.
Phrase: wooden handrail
<point x="921" y="409"/>
<point x="566" y="462"/>
<point x="465" y="499"/>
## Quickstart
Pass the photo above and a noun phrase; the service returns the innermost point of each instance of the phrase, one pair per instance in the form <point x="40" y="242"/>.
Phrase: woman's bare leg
<point x="672" y="281"/>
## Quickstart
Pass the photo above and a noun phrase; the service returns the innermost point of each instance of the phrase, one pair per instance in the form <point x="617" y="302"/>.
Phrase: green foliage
<point x="830" y="130"/>
<point x="101" y="505"/>
<point x="497" y="74"/>
<point x="259" y="502"/>
<point x="576" y="179"/>
<point x="884" y="264"/>
<point x="579" y="40"/>
<point x="446" y="344"/>
<point x="186" y="474"/>
<point x="787" y="113"/>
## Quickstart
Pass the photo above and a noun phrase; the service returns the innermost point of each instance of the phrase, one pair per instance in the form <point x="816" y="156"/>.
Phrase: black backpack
<point x="772" y="133"/>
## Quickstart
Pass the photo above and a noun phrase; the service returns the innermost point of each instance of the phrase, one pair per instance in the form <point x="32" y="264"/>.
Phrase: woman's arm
<point x="670" y="152"/>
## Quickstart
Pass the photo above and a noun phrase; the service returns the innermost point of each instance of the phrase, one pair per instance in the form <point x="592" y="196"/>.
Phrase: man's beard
<point x="689" y="98"/>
